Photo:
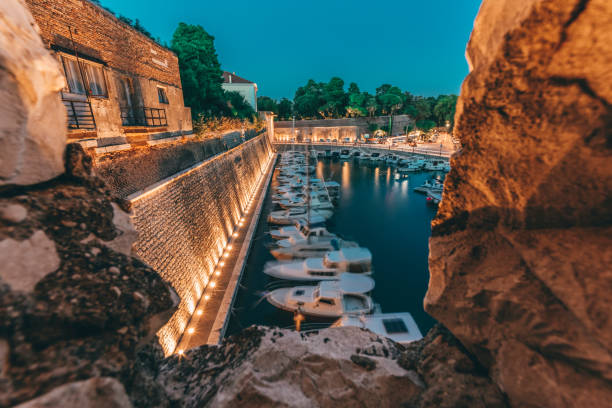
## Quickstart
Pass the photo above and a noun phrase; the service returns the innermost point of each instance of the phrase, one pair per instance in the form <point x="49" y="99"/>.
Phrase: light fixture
<point x="222" y="263"/>
<point x="229" y="247"/>
<point x="217" y="273"/>
<point x="212" y="284"/>
<point x="199" y="312"/>
<point x="206" y="297"/>
<point x="180" y="352"/>
<point x="235" y="234"/>
<point x="190" y="330"/>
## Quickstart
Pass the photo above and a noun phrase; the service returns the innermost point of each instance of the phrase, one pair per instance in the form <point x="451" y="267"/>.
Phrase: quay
<point x="209" y="323"/>
<point x="430" y="150"/>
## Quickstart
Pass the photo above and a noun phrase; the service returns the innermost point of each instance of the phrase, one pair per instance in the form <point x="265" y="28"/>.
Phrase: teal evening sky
<point x="416" y="45"/>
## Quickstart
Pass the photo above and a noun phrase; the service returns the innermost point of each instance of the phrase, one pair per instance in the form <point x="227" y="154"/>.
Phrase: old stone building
<point x="122" y="88"/>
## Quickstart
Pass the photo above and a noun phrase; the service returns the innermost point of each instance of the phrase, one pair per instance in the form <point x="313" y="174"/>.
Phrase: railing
<point x="149" y="117"/>
<point x="80" y="115"/>
<point x="429" y="150"/>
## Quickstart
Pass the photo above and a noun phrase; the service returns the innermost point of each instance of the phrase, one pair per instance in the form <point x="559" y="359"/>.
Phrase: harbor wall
<point x="338" y="129"/>
<point x="184" y="222"/>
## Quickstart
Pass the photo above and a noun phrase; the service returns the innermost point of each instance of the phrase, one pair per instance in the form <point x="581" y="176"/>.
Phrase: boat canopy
<point x="350" y="255"/>
<point x="348" y="283"/>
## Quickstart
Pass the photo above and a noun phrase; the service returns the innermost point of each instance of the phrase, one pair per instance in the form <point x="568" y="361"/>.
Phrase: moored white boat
<point x="288" y="217"/>
<point x="299" y="226"/>
<point x="330" y="267"/>
<point x="312" y="249"/>
<point x="329" y="299"/>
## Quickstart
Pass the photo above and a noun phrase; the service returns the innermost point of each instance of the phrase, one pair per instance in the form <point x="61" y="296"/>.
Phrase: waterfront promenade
<point x="428" y="149"/>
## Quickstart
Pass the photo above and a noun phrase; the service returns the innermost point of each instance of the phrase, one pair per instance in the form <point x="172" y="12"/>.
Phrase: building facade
<point x="122" y="88"/>
<point x="347" y="130"/>
<point x="246" y="88"/>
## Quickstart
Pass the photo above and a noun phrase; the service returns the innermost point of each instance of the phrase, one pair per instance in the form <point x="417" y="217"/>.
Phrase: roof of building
<point x="232" y="78"/>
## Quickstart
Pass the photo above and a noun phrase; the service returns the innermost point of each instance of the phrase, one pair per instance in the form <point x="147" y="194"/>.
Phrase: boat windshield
<point x="359" y="267"/>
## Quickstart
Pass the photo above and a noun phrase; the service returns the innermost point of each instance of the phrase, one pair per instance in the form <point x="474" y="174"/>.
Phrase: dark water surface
<point x="379" y="212"/>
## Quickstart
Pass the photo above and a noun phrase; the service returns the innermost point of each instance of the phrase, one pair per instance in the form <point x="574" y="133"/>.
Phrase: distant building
<point x="121" y="86"/>
<point x="246" y="88"/>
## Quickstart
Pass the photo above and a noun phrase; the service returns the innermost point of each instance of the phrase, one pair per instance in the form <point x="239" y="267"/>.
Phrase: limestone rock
<point x="347" y="367"/>
<point x="79" y="318"/>
<point x="520" y="252"/>
<point x="32" y="116"/>
<point x="14" y="213"/>
<point x="24" y="263"/>
<point x="92" y="393"/>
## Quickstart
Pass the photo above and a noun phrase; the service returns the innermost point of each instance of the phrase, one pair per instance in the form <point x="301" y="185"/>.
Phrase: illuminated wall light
<point x="180" y="352"/>
<point x="190" y="330"/>
<point x="212" y="284"/>
<point x="217" y="273"/>
<point x="206" y="297"/>
<point x="225" y="255"/>
<point x="222" y="263"/>
<point x="235" y="234"/>
<point x="199" y="312"/>
<point x="229" y="247"/>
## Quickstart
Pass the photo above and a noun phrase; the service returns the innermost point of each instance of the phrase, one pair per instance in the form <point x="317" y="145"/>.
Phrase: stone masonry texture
<point x="184" y="223"/>
<point x="128" y="171"/>
<point x="100" y="35"/>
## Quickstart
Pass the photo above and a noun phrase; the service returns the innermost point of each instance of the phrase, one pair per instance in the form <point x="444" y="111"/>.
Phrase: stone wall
<point x="100" y="35"/>
<point x="185" y="221"/>
<point x="128" y="171"/>
<point x="520" y="254"/>
<point x="125" y="55"/>
<point x="352" y="128"/>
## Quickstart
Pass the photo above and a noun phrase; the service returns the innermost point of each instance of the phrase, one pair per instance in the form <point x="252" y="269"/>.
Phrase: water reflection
<point x="387" y="217"/>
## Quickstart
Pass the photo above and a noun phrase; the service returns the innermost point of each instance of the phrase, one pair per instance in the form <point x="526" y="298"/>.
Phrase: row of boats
<point x="317" y="273"/>
<point x="403" y="164"/>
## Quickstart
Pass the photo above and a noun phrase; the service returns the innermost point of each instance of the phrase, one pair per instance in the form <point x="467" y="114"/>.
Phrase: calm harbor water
<point x="379" y="212"/>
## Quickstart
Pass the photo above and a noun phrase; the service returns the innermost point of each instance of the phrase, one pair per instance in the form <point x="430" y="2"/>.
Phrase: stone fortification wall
<point x="184" y="223"/>
<point x="128" y="171"/>
<point x="100" y="35"/>
<point x="339" y="129"/>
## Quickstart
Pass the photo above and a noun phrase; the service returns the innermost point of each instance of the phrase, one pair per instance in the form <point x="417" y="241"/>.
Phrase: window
<point x="298" y="292"/>
<point x="327" y="301"/>
<point x="90" y="73"/>
<point x="161" y="94"/>
<point x="73" y="76"/>
<point x="95" y="79"/>
<point x="395" y="326"/>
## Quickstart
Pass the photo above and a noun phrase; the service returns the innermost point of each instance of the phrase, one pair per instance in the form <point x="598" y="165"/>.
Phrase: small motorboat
<point x="435" y="165"/>
<point x="345" y="154"/>
<point x="329" y="299"/>
<point x="433" y="198"/>
<point x="289" y="217"/>
<point x="375" y="157"/>
<point x="330" y="267"/>
<point x="297" y="227"/>
<point x="430" y="185"/>
<point x="399" y="327"/>
<point x="315" y="249"/>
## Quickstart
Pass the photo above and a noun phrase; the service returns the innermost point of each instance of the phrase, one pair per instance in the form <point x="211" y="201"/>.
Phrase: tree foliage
<point x="200" y="71"/>
<point x="320" y="100"/>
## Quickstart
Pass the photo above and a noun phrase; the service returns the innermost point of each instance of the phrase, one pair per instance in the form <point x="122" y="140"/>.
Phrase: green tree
<point x="308" y="99"/>
<point x="356" y="102"/>
<point x="238" y="106"/>
<point x="444" y="110"/>
<point x="285" y="109"/>
<point x="267" y="104"/>
<point x="371" y="104"/>
<point x="334" y="98"/>
<point x="200" y="71"/>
